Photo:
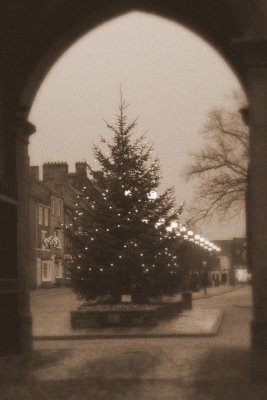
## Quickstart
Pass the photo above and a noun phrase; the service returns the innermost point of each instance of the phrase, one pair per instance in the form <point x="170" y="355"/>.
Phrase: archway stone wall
<point x="33" y="34"/>
<point x="42" y="30"/>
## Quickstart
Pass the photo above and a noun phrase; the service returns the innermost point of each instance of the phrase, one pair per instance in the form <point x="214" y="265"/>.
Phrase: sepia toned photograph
<point x="133" y="199"/>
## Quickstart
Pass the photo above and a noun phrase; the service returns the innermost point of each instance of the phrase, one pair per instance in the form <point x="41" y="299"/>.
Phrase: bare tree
<point x="221" y="167"/>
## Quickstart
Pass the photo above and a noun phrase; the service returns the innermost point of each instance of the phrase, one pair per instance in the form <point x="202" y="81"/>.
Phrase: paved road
<point x="51" y="319"/>
<point x="145" y="369"/>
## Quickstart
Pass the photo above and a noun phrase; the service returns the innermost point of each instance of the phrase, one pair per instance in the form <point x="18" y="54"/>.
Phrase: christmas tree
<point x="124" y="238"/>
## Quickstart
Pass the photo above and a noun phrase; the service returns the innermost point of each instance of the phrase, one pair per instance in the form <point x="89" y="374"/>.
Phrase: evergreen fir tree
<point x="123" y="246"/>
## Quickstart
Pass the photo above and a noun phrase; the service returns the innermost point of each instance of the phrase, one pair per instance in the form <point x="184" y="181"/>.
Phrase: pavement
<point x="216" y="291"/>
<point x="51" y="318"/>
<point x="171" y="368"/>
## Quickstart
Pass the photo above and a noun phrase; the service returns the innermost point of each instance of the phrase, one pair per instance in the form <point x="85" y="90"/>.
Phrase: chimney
<point x="55" y="173"/>
<point x="79" y="178"/>
<point x="81" y="169"/>
<point x="34" y="173"/>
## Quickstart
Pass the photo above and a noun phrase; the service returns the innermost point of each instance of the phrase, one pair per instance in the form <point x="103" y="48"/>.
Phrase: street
<point x="187" y="368"/>
<point x="51" y="319"/>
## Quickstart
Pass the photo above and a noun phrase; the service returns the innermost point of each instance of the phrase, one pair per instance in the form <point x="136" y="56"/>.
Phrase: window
<point x="61" y="208"/>
<point x="40" y="215"/>
<point x="58" y="207"/>
<point x="46" y="271"/>
<point x="39" y="272"/>
<point x="53" y="206"/>
<point x="59" y="269"/>
<point x="46" y="216"/>
<point x="68" y="246"/>
<point x="59" y="236"/>
<point x="43" y="236"/>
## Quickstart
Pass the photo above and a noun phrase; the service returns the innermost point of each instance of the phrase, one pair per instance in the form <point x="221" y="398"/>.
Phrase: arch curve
<point x="60" y="23"/>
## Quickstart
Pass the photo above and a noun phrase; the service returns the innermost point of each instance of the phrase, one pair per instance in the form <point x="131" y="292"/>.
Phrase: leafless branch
<point x="221" y="166"/>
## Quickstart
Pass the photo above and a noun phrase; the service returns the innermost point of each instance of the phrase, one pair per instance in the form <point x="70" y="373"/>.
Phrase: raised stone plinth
<point x="99" y="315"/>
<point x="89" y="315"/>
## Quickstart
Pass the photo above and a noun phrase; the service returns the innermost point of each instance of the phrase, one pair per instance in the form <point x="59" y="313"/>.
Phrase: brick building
<point x="51" y="203"/>
<point x="46" y="236"/>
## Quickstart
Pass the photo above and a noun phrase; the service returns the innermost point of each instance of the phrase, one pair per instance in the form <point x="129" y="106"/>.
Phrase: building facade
<point x="231" y="259"/>
<point x="51" y="204"/>
<point x="46" y="234"/>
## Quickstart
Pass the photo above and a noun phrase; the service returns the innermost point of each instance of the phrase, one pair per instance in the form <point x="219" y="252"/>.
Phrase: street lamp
<point x="205" y="276"/>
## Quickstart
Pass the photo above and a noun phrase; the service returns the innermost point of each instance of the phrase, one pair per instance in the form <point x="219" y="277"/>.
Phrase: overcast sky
<point x="170" y="77"/>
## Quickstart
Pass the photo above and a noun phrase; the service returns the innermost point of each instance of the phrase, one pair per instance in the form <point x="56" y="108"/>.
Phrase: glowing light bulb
<point x="173" y="224"/>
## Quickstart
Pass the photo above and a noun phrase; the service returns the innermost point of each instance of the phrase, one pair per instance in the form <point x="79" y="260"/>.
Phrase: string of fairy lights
<point x="171" y="231"/>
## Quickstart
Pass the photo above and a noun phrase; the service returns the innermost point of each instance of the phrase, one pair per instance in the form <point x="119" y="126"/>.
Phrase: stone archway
<point x="209" y="23"/>
<point x="42" y="31"/>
